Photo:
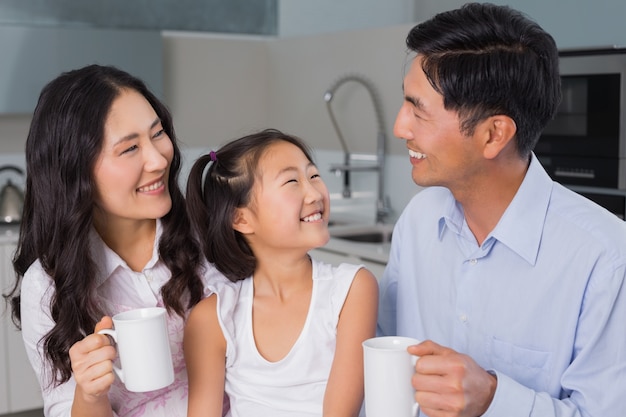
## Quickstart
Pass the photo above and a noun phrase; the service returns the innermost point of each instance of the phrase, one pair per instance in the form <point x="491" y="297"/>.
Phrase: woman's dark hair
<point x="227" y="185"/>
<point x="486" y="60"/>
<point x="65" y="139"/>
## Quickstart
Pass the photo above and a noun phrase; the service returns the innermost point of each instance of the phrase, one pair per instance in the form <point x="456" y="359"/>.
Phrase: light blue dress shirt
<point x="542" y="302"/>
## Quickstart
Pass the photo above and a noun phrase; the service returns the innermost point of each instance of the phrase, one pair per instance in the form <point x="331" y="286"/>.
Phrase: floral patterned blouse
<point x="119" y="289"/>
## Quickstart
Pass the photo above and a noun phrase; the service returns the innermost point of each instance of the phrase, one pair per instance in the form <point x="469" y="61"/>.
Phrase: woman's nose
<point x="155" y="159"/>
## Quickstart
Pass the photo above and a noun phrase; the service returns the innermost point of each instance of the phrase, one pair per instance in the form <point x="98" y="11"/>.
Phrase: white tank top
<point x="295" y="385"/>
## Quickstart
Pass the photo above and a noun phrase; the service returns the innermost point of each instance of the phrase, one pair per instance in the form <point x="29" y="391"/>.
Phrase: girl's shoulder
<point x="215" y="282"/>
<point x="325" y="271"/>
<point x="336" y="283"/>
<point x="365" y="286"/>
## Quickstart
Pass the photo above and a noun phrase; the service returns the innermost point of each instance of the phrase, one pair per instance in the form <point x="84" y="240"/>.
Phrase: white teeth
<point x="313" y="217"/>
<point x="418" y="155"/>
<point x="151" y="187"/>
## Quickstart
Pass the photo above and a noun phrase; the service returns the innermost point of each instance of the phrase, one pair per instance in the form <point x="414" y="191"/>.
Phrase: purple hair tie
<point x="213" y="156"/>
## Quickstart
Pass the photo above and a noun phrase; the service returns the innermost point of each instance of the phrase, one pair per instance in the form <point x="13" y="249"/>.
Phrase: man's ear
<point x="499" y="132"/>
<point x="240" y="221"/>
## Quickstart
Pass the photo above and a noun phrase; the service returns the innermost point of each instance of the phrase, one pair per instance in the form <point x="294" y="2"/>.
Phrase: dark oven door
<point x="587" y="121"/>
<point x="581" y="145"/>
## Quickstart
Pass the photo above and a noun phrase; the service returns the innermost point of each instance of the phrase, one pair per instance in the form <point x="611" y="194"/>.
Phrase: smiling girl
<point x="282" y="336"/>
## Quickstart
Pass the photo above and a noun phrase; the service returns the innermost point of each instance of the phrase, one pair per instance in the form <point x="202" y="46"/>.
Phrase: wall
<point x="215" y="85"/>
<point x="220" y="87"/>
<point x="306" y="17"/>
<point x="572" y="23"/>
<point x="304" y="68"/>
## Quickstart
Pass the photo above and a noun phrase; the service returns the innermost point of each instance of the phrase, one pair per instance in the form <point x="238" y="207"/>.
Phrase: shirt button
<point x="148" y="276"/>
<point x="463" y="318"/>
<point x="473" y="261"/>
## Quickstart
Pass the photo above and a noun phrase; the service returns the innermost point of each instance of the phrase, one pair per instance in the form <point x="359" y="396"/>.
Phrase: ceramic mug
<point x="388" y="371"/>
<point x="143" y="347"/>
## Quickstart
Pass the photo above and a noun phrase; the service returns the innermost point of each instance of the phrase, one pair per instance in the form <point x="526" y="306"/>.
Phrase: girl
<point x="283" y="335"/>
<point x="104" y="230"/>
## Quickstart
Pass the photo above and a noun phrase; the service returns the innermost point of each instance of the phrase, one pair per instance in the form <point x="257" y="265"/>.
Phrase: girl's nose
<point x="315" y="192"/>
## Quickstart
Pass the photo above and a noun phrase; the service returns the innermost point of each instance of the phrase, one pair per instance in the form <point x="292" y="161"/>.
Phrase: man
<point x="514" y="283"/>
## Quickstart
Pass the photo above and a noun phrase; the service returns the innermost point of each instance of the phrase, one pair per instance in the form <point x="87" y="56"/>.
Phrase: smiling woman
<point x="132" y="169"/>
<point x="104" y="230"/>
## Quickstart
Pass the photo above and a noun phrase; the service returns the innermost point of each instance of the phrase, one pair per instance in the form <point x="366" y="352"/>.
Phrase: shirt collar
<point x="521" y="226"/>
<point x="107" y="261"/>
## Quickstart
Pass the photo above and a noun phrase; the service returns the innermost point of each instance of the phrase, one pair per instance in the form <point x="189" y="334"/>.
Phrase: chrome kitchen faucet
<point x="382" y="204"/>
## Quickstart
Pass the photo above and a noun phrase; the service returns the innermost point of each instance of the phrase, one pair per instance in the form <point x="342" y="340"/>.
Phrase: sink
<point x="363" y="233"/>
<point x="332" y="223"/>
<point x="367" y="237"/>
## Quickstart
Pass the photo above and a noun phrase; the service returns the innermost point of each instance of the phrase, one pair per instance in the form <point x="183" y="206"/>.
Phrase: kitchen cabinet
<point x="19" y="388"/>
<point x="33" y="56"/>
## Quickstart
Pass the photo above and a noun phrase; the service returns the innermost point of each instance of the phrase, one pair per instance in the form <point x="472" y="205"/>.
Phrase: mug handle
<point x="113" y="334"/>
<point x="416" y="406"/>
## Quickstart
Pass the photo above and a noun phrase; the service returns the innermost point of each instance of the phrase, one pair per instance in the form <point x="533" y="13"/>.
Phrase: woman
<point x="104" y="230"/>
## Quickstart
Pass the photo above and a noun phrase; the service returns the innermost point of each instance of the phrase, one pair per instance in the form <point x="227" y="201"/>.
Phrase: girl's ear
<point x="241" y="222"/>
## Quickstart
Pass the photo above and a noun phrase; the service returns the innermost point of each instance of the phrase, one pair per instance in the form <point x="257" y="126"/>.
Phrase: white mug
<point x="144" y="349"/>
<point x="388" y="371"/>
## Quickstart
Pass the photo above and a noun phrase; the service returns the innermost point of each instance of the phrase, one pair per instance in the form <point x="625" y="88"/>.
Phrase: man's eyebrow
<point x="413" y="100"/>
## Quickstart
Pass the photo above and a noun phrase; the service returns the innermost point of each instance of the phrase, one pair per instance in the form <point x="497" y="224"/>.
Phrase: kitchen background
<point x="251" y="65"/>
<point x="223" y="85"/>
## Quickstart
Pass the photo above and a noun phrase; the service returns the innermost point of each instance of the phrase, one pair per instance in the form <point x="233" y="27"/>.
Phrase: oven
<point x="584" y="147"/>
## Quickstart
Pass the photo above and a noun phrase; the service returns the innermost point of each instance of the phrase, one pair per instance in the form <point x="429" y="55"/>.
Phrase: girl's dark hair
<point x="227" y="185"/>
<point x="486" y="60"/>
<point x="65" y="138"/>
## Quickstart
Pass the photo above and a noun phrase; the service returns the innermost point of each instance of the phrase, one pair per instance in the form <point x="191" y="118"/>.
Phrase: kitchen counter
<point x="368" y="251"/>
<point x="376" y="252"/>
<point x="371" y="251"/>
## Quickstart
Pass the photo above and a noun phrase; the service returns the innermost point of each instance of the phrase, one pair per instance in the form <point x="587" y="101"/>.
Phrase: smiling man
<point x="514" y="283"/>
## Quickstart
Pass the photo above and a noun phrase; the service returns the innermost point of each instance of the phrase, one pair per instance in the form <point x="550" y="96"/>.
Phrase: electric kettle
<point x="11" y="199"/>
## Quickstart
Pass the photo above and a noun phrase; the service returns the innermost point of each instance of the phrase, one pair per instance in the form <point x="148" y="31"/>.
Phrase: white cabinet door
<point x="23" y="389"/>
<point x="32" y="56"/>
